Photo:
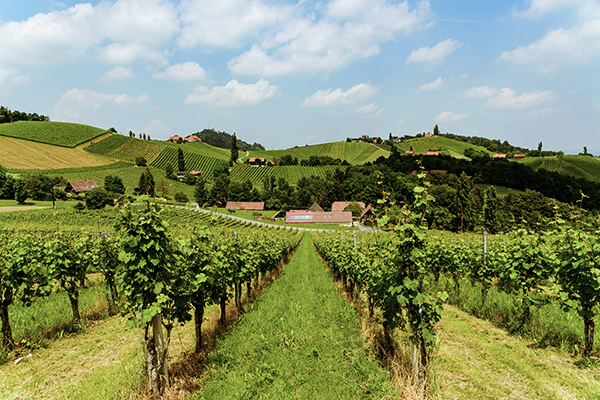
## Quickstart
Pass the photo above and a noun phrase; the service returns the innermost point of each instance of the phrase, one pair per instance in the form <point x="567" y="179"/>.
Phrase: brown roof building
<point x="432" y="153"/>
<point x="257" y="161"/>
<point x="297" y="216"/>
<point x="520" y="155"/>
<point x="409" y="152"/>
<point x="316" y="208"/>
<point x="192" y="138"/>
<point x="245" y="205"/>
<point x="80" y="186"/>
<point x="175" y="138"/>
<point x="499" y="156"/>
<point x="341" y="205"/>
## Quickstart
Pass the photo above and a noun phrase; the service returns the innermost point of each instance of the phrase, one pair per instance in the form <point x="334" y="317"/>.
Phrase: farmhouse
<point x="338" y="206"/>
<point x="175" y="139"/>
<point x="192" y="138"/>
<point x="520" y="155"/>
<point x="432" y="153"/>
<point x="409" y="152"/>
<point x="499" y="156"/>
<point x="195" y="173"/>
<point x="80" y="186"/>
<point x="257" y="161"/>
<point x="245" y="205"/>
<point x="368" y="215"/>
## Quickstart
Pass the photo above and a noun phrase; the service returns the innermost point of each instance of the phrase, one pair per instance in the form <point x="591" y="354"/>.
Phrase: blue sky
<point x="286" y="73"/>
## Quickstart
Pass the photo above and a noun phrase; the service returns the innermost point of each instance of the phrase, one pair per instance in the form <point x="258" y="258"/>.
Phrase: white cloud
<point x="72" y="33"/>
<point x="507" y="98"/>
<point x="233" y="93"/>
<point x="541" y="8"/>
<point x="542" y="112"/>
<point x="370" y="110"/>
<point x="11" y="75"/>
<point x="345" y="33"/>
<point x="435" y="54"/>
<point x="447" y="116"/>
<point x="74" y="102"/>
<point x="338" y="96"/>
<point x="117" y="74"/>
<point x="128" y="53"/>
<point x="227" y="23"/>
<point x="564" y="46"/>
<point x="559" y="47"/>
<point x="479" y="92"/>
<point x="435" y="85"/>
<point x="185" y="72"/>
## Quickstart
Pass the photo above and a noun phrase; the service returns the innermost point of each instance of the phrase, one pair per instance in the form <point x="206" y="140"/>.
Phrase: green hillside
<point x="193" y="161"/>
<point x="291" y="173"/>
<point x="577" y="166"/>
<point x="203" y="149"/>
<point x="355" y="153"/>
<point x="451" y="147"/>
<point x="63" y="134"/>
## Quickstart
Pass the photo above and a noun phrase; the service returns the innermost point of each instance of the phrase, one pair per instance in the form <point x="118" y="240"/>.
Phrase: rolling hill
<point x="451" y="147"/>
<point x="63" y="134"/>
<point x="577" y="166"/>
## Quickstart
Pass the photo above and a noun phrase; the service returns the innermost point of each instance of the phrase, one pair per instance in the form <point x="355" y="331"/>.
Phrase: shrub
<point x="140" y="161"/>
<point x="97" y="199"/>
<point x="181" y="197"/>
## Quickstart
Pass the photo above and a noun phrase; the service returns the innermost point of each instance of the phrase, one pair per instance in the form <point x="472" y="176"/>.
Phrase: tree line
<point x="8" y="116"/>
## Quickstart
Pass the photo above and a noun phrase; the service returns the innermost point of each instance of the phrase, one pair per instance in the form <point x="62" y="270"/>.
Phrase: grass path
<point x="476" y="360"/>
<point x="300" y="340"/>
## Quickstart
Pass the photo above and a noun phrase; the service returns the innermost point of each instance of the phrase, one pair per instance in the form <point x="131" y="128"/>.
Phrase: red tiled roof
<point x="341" y="205"/>
<point x="245" y="205"/>
<point x="192" y="138"/>
<point x="366" y="210"/>
<point x="409" y="152"/>
<point x="520" y="155"/>
<point x="195" y="173"/>
<point x="432" y="153"/>
<point x="499" y="156"/>
<point x="175" y="138"/>
<point x="298" y="216"/>
<point x="81" y="186"/>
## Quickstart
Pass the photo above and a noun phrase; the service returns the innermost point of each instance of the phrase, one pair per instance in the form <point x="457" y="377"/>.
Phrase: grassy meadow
<point x="447" y="146"/>
<point x="574" y="165"/>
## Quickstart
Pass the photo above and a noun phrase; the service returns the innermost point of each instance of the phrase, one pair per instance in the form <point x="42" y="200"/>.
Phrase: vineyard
<point x="193" y="161"/>
<point x="63" y="134"/>
<point x="108" y="144"/>
<point x="134" y="148"/>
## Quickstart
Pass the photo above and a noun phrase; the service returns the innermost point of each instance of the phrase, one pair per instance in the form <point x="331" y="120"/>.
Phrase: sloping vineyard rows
<point x="193" y="161"/>
<point x="211" y="264"/>
<point x="243" y="173"/>
<point x="134" y="148"/>
<point x="293" y="173"/>
<point x="561" y="268"/>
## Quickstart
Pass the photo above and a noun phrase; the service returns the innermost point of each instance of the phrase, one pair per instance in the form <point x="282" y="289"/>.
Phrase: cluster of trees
<point x="484" y="170"/>
<point x="8" y="116"/>
<point x="140" y="135"/>
<point x="224" y="140"/>
<point x="312" y="161"/>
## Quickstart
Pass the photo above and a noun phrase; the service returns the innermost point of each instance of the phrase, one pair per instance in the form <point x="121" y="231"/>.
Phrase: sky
<point x="288" y="73"/>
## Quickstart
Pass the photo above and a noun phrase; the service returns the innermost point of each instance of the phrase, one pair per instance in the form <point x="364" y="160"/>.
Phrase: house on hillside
<point x="499" y="156"/>
<point x="192" y="138"/>
<point x="338" y="206"/>
<point x="409" y="152"/>
<point x="432" y="153"/>
<point x="520" y="155"/>
<point x="175" y="139"/>
<point x="368" y="216"/>
<point x="195" y="173"/>
<point x="257" y="161"/>
<point x="245" y="205"/>
<point x="428" y="134"/>
<point x="78" y="187"/>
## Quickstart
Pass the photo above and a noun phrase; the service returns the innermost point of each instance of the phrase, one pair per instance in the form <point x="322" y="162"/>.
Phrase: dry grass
<point x="22" y="154"/>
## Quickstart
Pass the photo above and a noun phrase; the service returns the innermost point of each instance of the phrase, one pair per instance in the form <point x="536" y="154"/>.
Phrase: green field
<point x="203" y="149"/>
<point x="108" y="144"/>
<point x="63" y="134"/>
<point x="577" y="166"/>
<point x="291" y="173"/>
<point x="355" y="153"/>
<point x="134" y="148"/>
<point x="447" y="146"/>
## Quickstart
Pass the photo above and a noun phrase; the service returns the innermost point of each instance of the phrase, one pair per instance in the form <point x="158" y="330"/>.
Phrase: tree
<point x="490" y="210"/>
<point x="540" y="147"/>
<point x="234" y="148"/>
<point x="146" y="183"/>
<point x="21" y="193"/>
<point x="181" y="197"/>
<point x="140" y="161"/>
<point x="114" y="184"/>
<point x="200" y="191"/>
<point x="180" y="160"/>
<point x="97" y="199"/>
<point x="436" y="130"/>
<point x="169" y="173"/>
<point x="220" y="190"/>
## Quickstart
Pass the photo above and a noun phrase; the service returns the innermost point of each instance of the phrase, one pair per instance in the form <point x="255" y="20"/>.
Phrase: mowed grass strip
<point x="479" y="361"/>
<point x="300" y="340"/>
<point x="23" y="154"/>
